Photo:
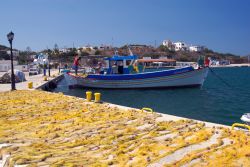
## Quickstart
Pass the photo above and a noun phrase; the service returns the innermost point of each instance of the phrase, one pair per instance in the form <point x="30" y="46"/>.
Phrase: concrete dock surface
<point x="37" y="80"/>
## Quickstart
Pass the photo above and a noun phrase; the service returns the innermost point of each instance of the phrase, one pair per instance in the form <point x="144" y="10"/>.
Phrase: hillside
<point x="3" y="53"/>
<point x="143" y="50"/>
<point x="2" y="47"/>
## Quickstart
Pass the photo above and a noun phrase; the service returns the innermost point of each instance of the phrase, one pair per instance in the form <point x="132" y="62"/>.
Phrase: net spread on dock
<point x="40" y="128"/>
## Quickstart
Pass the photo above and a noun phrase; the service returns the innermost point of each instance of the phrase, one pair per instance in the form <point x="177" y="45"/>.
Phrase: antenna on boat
<point x="130" y="52"/>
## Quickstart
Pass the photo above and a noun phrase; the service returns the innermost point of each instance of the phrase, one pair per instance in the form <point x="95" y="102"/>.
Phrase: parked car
<point x="33" y="71"/>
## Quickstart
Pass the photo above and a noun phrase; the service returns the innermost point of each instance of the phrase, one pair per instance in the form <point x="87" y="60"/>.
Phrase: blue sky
<point x="221" y="25"/>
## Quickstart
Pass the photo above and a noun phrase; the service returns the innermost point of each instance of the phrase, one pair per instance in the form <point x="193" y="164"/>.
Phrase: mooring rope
<point x="222" y="80"/>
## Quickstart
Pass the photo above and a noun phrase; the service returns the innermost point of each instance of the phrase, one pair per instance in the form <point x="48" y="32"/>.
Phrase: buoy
<point x="97" y="97"/>
<point x="30" y="85"/>
<point x="88" y="96"/>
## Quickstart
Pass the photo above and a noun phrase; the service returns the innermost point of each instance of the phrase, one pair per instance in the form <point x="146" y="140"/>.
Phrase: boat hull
<point x="183" y="79"/>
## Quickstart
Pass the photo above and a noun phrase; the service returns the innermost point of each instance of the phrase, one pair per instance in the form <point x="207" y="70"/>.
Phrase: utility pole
<point x="112" y="42"/>
<point x="48" y="59"/>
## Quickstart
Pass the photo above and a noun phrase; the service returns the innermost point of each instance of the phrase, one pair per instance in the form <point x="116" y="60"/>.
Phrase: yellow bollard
<point x="45" y="78"/>
<point x="97" y="97"/>
<point x="88" y="96"/>
<point x="30" y="85"/>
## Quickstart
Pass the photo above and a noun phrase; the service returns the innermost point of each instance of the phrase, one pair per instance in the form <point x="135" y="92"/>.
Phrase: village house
<point x="196" y="48"/>
<point x="169" y="44"/>
<point x="5" y="65"/>
<point x="180" y="46"/>
<point x="15" y="52"/>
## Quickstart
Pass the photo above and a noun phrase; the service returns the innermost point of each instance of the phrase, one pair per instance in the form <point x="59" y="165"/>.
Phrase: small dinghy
<point x="246" y="118"/>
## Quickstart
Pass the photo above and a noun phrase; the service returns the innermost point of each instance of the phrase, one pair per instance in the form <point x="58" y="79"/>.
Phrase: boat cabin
<point x="120" y="64"/>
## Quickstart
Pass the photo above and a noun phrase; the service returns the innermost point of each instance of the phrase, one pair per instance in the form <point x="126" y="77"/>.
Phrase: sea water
<point x="223" y="98"/>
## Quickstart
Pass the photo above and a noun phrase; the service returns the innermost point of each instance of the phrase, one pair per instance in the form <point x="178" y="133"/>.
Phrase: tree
<point x="84" y="54"/>
<point x="28" y="49"/>
<point x="24" y="58"/>
<point x="98" y="52"/>
<point x="56" y="49"/>
<point x="163" y="48"/>
<point x="4" y="55"/>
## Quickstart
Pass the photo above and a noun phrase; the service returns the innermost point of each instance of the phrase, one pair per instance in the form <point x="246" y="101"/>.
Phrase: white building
<point x="169" y="44"/>
<point x="15" y="53"/>
<point x="89" y="49"/>
<point x="5" y="65"/>
<point x="180" y="46"/>
<point x="105" y="47"/>
<point x="41" y="59"/>
<point x="64" y="50"/>
<point x="196" y="48"/>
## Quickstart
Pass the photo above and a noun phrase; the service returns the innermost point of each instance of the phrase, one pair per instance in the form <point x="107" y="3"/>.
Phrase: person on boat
<point x="115" y="68"/>
<point x="135" y="66"/>
<point x="120" y="68"/>
<point x="201" y="62"/>
<point x="207" y="62"/>
<point x="99" y="68"/>
<point x="76" y="63"/>
<point x="140" y="67"/>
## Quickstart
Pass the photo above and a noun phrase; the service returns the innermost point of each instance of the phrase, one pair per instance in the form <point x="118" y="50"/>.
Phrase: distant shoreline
<point x="232" y="65"/>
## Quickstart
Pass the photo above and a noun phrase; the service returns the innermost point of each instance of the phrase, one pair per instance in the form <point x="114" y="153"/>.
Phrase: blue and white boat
<point x="120" y="74"/>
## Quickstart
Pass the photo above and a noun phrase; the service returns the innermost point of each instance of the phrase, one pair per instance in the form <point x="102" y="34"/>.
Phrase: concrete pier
<point x="38" y="81"/>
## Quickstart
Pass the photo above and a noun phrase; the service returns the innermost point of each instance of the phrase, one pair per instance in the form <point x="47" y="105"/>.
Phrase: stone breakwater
<point x="50" y="129"/>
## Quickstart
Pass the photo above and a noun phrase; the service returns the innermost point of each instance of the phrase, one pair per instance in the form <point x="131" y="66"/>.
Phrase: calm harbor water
<point x="214" y="102"/>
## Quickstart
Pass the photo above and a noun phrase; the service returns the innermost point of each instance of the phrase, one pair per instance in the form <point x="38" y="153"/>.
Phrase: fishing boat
<point x="126" y="72"/>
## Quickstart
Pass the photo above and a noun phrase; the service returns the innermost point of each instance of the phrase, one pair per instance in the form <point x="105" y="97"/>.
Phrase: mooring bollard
<point x="45" y="78"/>
<point x="30" y="85"/>
<point x="88" y="95"/>
<point x="97" y="97"/>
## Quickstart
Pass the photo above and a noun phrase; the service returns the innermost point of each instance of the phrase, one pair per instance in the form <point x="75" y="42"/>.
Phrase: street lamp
<point x="10" y="37"/>
<point x="49" y="65"/>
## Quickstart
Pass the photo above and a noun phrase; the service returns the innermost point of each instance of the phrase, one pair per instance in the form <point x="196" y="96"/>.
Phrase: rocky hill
<point x="2" y="47"/>
<point x="148" y="51"/>
<point x="3" y="53"/>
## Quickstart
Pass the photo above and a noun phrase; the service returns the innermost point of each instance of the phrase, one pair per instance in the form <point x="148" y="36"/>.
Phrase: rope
<point x="222" y="80"/>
